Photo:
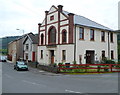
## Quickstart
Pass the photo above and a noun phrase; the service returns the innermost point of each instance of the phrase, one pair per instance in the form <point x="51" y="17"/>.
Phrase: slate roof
<point x="83" y="21"/>
<point x="33" y="38"/>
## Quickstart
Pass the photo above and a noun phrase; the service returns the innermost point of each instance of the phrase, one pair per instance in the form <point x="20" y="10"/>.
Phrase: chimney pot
<point x="39" y="24"/>
<point x="71" y="14"/>
<point x="46" y="12"/>
<point x="60" y="7"/>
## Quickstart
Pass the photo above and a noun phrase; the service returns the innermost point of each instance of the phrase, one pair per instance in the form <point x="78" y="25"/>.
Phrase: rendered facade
<point x="66" y="37"/>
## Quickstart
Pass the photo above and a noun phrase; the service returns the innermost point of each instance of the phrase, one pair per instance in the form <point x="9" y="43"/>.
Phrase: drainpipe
<point x="75" y="45"/>
<point x="108" y="45"/>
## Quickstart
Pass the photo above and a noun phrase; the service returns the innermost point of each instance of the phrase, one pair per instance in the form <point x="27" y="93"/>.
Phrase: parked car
<point x="3" y="58"/>
<point x="20" y="65"/>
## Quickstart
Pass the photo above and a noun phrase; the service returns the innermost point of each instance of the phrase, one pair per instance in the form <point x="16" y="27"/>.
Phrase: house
<point x="30" y="44"/>
<point x="15" y="49"/>
<point x="12" y="51"/>
<point x="67" y="37"/>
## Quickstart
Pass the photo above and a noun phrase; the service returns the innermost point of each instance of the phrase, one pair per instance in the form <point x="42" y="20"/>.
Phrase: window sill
<point x="92" y="40"/>
<point x="63" y="60"/>
<point x="64" y="42"/>
<point x="111" y="42"/>
<point x="103" y="41"/>
<point x="82" y="39"/>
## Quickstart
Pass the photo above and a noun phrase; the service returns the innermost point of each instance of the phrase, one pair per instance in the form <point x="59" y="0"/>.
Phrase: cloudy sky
<point x="26" y="14"/>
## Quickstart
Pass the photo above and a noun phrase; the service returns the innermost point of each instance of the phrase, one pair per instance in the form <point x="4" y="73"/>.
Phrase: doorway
<point x="33" y="56"/>
<point x="52" y="56"/>
<point x="90" y="57"/>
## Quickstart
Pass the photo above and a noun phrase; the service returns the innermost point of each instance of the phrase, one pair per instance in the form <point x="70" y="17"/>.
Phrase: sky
<point x="26" y="14"/>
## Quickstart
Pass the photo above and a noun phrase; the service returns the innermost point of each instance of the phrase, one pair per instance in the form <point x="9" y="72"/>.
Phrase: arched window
<point x="52" y="35"/>
<point x="42" y="39"/>
<point x="64" y="36"/>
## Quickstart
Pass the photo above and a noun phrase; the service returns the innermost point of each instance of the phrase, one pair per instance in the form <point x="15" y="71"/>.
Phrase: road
<point x="38" y="81"/>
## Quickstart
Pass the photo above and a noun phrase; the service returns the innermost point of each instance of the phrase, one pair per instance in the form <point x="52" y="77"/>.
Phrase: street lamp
<point x="21" y="30"/>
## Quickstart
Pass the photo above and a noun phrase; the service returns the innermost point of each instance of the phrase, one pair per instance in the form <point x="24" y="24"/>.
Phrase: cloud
<point x="26" y="14"/>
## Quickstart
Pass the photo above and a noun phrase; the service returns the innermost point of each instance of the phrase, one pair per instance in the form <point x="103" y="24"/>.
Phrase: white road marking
<point x="33" y="83"/>
<point x="41" y="71"/>
<point x="8" y="76"/>
<point x="72" y="91"/>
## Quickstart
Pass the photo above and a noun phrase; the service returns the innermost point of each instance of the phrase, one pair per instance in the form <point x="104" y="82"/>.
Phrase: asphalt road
<point x="37" y="81"/>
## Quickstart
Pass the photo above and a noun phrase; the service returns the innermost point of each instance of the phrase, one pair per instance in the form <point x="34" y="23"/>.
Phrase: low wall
<point x="48" y="68"/>
<point x="32" y="64"/>
<point x="43" y="67"/>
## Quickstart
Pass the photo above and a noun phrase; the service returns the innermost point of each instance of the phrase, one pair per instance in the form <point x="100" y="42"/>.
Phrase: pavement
<point x="38" y="81"/>
<point x="0" y="79"/>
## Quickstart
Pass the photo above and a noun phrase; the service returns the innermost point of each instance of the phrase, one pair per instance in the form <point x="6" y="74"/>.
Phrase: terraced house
<point x="67" y="37"/>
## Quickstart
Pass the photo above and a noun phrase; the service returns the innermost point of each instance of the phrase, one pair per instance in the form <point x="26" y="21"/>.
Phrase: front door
<point x="90" y="57"/>
<point x="52" y="56"/>
<point x="33" y="56"/>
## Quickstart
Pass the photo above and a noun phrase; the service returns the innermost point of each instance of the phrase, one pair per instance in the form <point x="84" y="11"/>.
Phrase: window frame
<point x="51" y="17"/>
<point x="64" y="37"/>
<point x="92" y="33"/>
<point x="41" y="54"/>
<point x="103" y="54"/>
<point x="111" y="37"/>
<point x="42" y="39"/>
<point x="49" y="35"/>
<point x="63" y="55"/>
<point x="27" y="46"/>
<point x="112" y="54"/>
<point x="103" y="36"/>
<point x="81" y="33"/>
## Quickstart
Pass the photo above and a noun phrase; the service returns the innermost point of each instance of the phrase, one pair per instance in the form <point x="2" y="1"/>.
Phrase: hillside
<point x="4" y="43"/>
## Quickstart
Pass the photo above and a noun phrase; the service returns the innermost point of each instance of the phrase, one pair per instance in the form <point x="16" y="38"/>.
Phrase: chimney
<point x="39" y="24"/>
<point x="60" y="7"/>
<point x="46" y="12"/>
<point x="71" y="27"/>
<point x="71" y="14"/>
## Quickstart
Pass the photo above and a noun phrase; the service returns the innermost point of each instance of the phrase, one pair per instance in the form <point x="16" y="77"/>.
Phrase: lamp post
<point x="22" y="48"/>
<point x="21" y="30"/>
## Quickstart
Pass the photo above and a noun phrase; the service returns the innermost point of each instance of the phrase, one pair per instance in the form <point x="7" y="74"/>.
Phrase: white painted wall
<point x="81" y="45"/>
<point x="31" y="48"/>
<point x="62" y="17"/>
<point x="57" y="52"/>
<point x="55" y="17"/>
<point x="97" y="45"/>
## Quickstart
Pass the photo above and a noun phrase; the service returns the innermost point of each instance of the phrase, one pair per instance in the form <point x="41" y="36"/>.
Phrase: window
<point x="103" y="55"/>
<point x="81" y="34"/>
<point x="111" y="37"/>
<point x="64" y="36"/>
<point x="42" y="39"/>
<point x="52" y="17"/>
<point x="102" y="36"/>
<point x="52" y="35"/>
<point x="112" y="54"/>
<point x="41" y="54"/>
<point x="27" y="47"/>
<point x="26" y="56"/>
<point x="63" y="55"/>
<point x="92" y="34"/>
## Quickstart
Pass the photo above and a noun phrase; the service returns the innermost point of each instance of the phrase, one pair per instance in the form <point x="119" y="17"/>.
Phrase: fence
<point x="89" y="68"/>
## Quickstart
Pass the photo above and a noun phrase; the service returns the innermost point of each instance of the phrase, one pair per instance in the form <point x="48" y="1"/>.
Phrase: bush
<point x="53" y="65"/>
<point x="109" y="62"/>
<point x="106" y="61"/>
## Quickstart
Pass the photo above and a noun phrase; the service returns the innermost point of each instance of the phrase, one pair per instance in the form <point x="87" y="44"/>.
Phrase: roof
<point x="33" y="38"/>
<point x="117" y="31"/>
<point x="83" y="21"/>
